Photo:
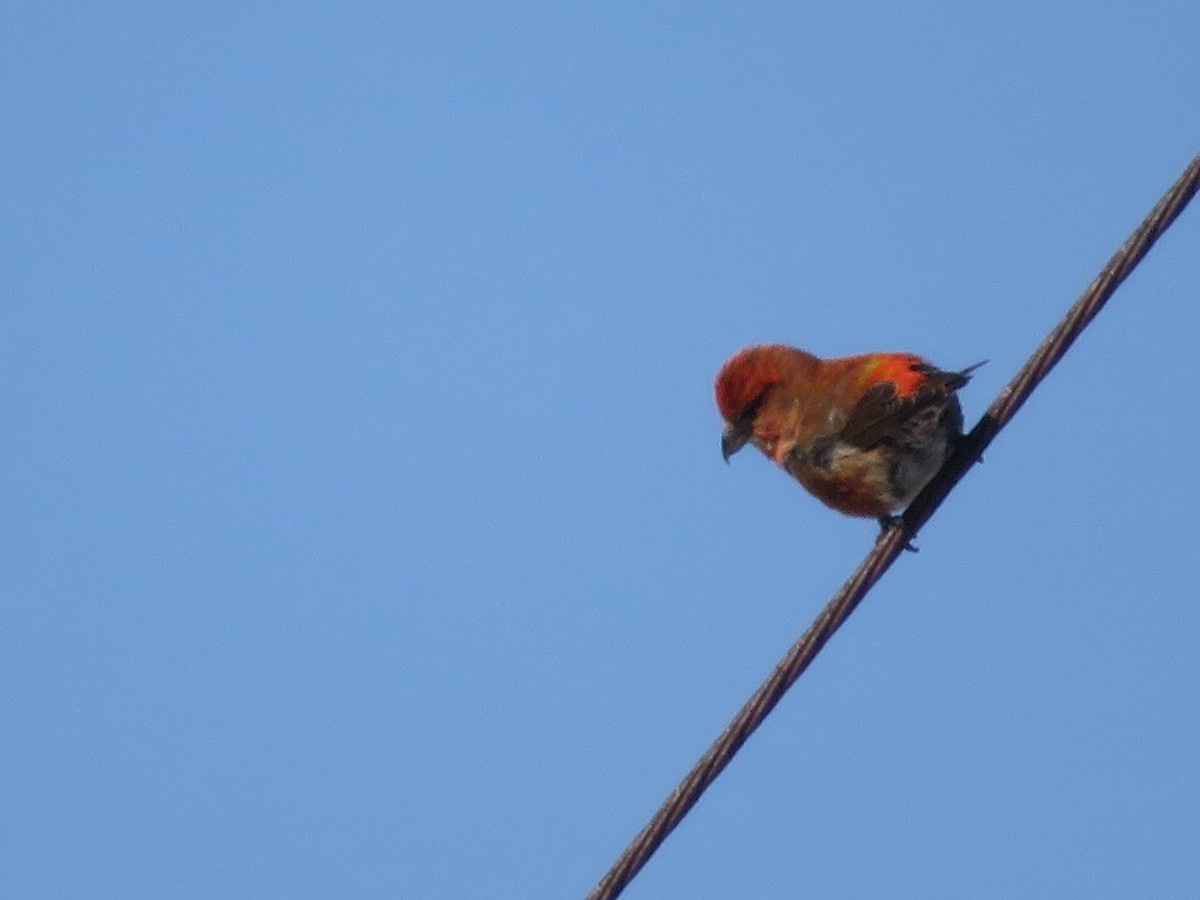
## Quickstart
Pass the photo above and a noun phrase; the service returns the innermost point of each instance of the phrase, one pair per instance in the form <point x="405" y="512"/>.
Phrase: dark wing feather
<point x="881" y="416"/>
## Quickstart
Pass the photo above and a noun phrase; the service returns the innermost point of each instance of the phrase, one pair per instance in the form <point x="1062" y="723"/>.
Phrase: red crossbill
<point x="863" y="434"/>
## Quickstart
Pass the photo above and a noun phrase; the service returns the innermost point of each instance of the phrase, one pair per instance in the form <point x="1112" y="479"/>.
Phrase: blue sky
<point x="365" y="528"/>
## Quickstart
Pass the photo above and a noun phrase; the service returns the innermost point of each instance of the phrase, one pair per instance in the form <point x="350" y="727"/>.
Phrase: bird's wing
<point x="882" y="415"/>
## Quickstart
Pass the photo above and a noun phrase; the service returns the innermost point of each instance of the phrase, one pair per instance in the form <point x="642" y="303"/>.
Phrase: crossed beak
<point x="733" y="439"/>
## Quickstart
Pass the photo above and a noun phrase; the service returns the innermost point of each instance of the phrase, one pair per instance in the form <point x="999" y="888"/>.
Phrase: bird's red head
<point x="745" y="397"/>
<point x="743" y="380"/>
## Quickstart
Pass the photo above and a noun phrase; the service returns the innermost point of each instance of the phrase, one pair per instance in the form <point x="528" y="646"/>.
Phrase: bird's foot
<point x="960" y="443"/>
<point x="887" y="523"/>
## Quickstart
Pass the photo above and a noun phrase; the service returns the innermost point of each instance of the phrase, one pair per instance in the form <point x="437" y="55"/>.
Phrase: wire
<point x="893" y="542"/>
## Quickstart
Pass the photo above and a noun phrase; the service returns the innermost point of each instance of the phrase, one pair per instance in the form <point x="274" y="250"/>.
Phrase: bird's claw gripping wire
<point x="887" y="523"/>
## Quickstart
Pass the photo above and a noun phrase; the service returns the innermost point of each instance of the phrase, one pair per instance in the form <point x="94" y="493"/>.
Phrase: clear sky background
<point x="364" y="526"/>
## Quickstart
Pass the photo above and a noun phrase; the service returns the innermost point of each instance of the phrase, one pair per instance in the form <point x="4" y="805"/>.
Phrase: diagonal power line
<point x="881" y="557"/>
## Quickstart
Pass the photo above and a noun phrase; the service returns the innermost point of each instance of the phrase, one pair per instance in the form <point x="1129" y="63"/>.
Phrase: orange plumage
<point x="863" y="434"/>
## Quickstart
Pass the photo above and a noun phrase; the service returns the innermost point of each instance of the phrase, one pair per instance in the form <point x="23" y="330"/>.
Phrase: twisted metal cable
<point x="891" y="544"/>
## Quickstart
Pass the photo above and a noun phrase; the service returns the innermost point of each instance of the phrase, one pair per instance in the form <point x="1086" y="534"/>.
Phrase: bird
<point x="863" y="434"/>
